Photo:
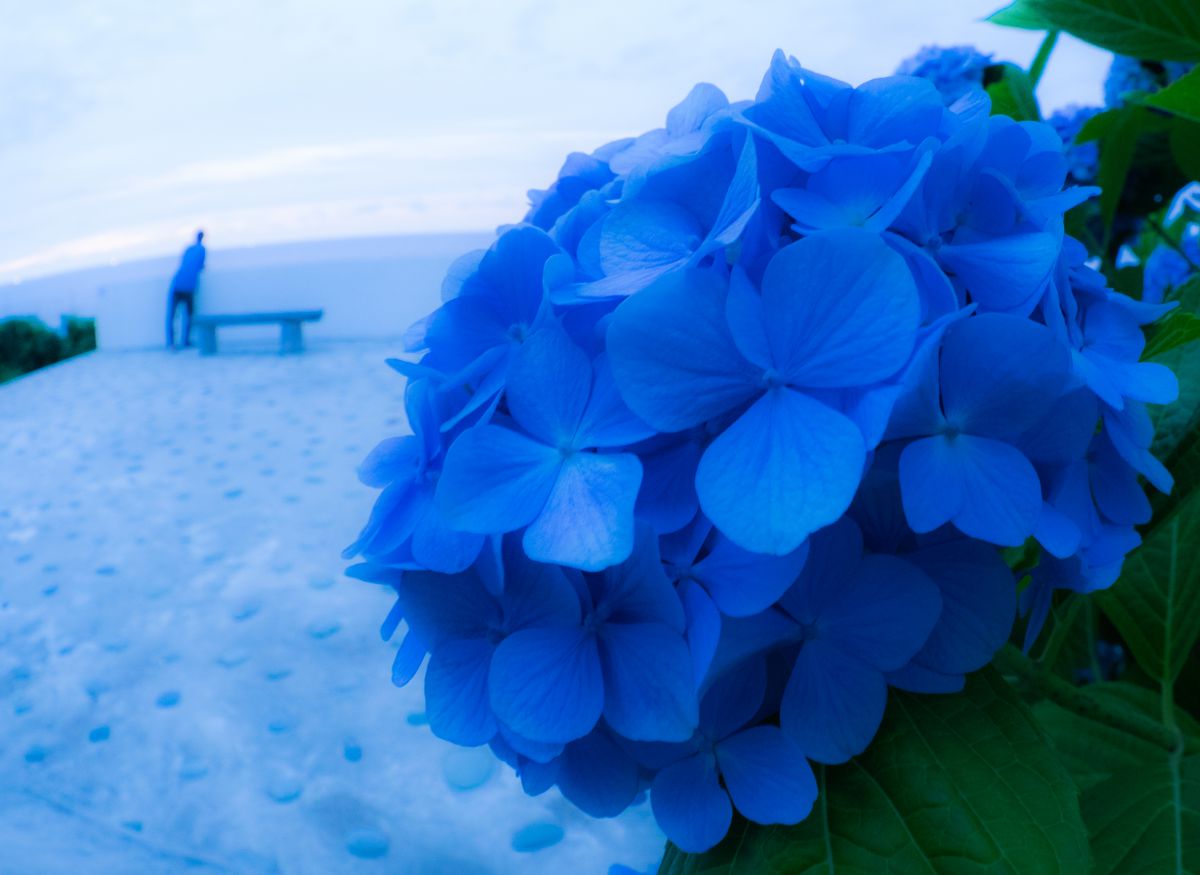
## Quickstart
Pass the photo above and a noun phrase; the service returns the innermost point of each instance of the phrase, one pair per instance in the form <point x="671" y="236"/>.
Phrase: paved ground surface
<point x="187" y="681"/>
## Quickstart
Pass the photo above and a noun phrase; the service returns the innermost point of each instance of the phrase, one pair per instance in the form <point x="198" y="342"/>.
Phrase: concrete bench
<point x="291" y="338"/>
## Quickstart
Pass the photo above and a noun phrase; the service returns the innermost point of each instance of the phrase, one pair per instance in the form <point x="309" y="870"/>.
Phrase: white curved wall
<point x="368" y="288"/>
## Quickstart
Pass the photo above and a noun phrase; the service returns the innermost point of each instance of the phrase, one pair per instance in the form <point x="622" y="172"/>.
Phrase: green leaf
<point x="1011" y="92"/>
<point x="1126" y="133"/>
<point x="1020" y="15"/>
<point x="1090" y="746"/>
<point x="1156" y="603"/>
<point x="1118" y="144"/>
<point x="964" y="783"/>
<point x="1184" y="465"/>
<point x="1181" y="97"/>
<point x="1174" y="422"/>
<point x="1185" y="146"/>
<point x="1146" y="818"/>
<point x="1156" y="30"/>
<point x="1176" y="328"/>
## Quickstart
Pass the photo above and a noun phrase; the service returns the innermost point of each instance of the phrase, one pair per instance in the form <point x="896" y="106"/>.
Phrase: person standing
<point x="183" y="291"/>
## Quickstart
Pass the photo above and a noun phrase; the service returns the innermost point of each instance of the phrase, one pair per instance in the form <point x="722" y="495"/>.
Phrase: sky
<point x="126" y="125"/>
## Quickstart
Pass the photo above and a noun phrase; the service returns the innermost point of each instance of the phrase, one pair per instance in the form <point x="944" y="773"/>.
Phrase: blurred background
<point x="187" y="680"/>
<point x="128" y="124"/>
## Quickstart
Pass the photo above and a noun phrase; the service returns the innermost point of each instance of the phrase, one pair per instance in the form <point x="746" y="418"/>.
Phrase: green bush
<point x="26" y="344"/>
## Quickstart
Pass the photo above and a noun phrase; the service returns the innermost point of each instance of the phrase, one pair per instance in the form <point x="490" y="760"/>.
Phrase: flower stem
<point x="1043" y="55"/>
<point x="1013" y="662"/>
<point x="1170" y="241"/>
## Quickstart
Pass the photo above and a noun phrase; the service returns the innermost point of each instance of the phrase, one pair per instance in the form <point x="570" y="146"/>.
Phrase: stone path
<point x="187" y="681"/>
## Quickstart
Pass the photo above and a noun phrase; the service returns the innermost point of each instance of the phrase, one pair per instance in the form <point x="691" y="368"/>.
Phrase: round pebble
<point x="536" y="836"/>
<point x="100" y="733"/>
<point x="466" y="768"/>
<point x="352" y="751"/>
<point x="322" y="629"/>
<point x="246" y="611"/>
<point x="367" y="844"/>
<point x="281" y="724"/>
<point x="35" y="754"/>
<point x="169" y="699"/>
<point x="232" y="658"/>
<point x="193" y="770"/>
<point x="284" y="789"/>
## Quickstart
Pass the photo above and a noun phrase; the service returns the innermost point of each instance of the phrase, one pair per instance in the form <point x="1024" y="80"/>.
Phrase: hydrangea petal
<point x="885" y="614"/>
<point x="703" y="628"/>
<point x="646" y="234"/>
<point x="637" y="590"/>
<point x="439" y="607"/>
<point x="549" y="409"/>
<point x="788" y="466"/>
<point x="1003" y="273"/>
<point x="456" y="692"/>
<point x="546" y="684"/>
<point x="391" y="460"/>
<point x="689" y="804"/>
<point x="733" y="700"/>
<point x="841" y="309"/>
<point x="1057" y="532"/>
<point x="833" y="703"/>
<point x="535" y="594"/>
<point x="931" y="487"/>
<point x="408" y="659"/>
<point x="1003" y="495"/>
<point x="743" y="583"/>
<point x="495" y="480"/>
<point x="587" y="520"/>
<point x="597" y="776"/>
<point x="1115" y="487"/>
<point x="1000" y="374"/>
<point x="543" y="752"/>
<point x="741" y="200"/>
<point x="767" y="776"/>
<point x="893" y="109"/>
<point x="978" y="605"/>
<point x="987" y="488"/>
<point x="649" y="691"/>
<point x="672" y="354"/>
<point x="667" y="499"/>
<point x="747" y="326"/>
<point x="607" y="421"/>
<point x="434" y="544"/>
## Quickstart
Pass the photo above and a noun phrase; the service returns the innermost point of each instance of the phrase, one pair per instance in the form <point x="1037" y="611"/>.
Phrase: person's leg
<point x="172" y="302"/>
<point x="189" y="302"/>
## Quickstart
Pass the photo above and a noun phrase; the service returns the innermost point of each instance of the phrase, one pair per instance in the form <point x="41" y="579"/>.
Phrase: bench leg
<point x="291" y="340"/>
<point x="208" y="339"/>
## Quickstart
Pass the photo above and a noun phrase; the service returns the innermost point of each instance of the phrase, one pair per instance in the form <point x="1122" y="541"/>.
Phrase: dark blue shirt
<point x="189" y="269"/>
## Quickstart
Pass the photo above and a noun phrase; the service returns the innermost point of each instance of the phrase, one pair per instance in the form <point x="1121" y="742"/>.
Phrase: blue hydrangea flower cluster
<point x="953" y="70"/>
<point x="1168" y="268"/>
<point x="1083" y="159"/>
<point x="1128" y="76"/>
<point x="725" y="438"/>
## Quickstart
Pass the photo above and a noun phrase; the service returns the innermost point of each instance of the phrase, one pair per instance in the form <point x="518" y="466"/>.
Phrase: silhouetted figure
<point x="183" y="291"/>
